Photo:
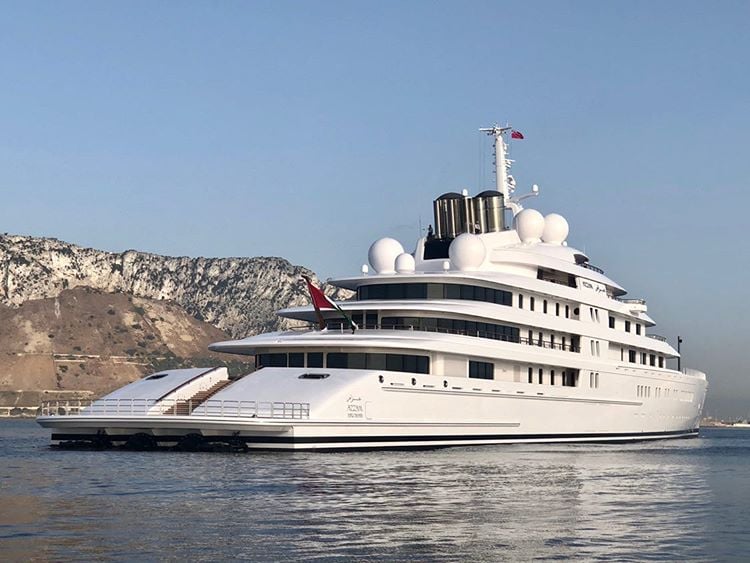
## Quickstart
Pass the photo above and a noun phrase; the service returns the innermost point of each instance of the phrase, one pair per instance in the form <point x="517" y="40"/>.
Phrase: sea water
<point x="676" y="500"/>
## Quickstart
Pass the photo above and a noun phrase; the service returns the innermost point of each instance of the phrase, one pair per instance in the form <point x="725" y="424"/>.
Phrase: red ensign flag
<point x="516" y="134"/>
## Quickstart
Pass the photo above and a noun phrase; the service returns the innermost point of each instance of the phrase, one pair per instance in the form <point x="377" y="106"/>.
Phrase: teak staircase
<point x="185" y="407"/>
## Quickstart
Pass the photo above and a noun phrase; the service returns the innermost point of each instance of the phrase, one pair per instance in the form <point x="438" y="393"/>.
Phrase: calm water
<point x="676" y="500"/>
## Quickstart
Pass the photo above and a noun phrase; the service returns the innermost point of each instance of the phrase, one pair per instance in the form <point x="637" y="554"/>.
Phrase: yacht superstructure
<point x="486" y="333"/>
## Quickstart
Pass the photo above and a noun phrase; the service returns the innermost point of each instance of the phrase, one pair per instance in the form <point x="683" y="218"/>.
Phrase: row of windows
<point x="574" y="345"/>
<point x="434" y="291"/>
<point x="628" y="325"/>
<point x="386" y="362"/>
<point x="454" y="326"/>
<point x="546" y="306"/>
<point x="568" y="378"/>
<point x="645" y="358"/>
<point x="460" y="326"/>
<point x="663" y="392"/>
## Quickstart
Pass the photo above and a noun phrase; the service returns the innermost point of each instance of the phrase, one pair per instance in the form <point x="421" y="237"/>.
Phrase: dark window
<point x="337" y="360"/>
<point x="388" y="362"/>
<point x="611" y="322"/>
<point x="567" y="311"/>
<point x="481" y="370"/>
<point x="557" y="309"/>
<point x="271" y="360"/>
<point x="552" y="377"/>
<point x="296" y="360"/>
<point x="541" y="375"/>
<point x="643" y="358"/>
<point x="453" y="326"/>
<point x="637" y="329"/>
<point x="520" y="301"/>
<point x="531" y="303"/>
<point x="531" y="375"/>
<point x="544" y="306"/>
<point x="661" y="361"/>
<point x="631" y="356"/>
<point x="652" y="359"/>
<point x="376" y="361"/>
<point x="315" y="359"/>
<point x="627" y="326"/>
<point x="452" y="291"/>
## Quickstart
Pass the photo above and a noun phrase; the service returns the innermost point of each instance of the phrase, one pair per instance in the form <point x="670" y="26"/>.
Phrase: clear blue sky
<point x="307" y="130"/>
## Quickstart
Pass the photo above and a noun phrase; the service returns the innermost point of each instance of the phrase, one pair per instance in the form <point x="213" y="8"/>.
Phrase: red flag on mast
<point x="321" y="302"/>
<point x="516" y="134"/>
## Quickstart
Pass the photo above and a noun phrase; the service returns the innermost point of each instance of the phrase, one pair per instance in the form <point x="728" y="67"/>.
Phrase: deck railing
<point x="343" y="328"/>
<point x="153" y="407"/>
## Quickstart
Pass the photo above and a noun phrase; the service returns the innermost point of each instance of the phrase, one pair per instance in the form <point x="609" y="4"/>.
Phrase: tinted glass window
<point x="481" y="370"/>
<point x="315" y="359"/>
<point x="296" y="360"/>
<point x="336" y="360"/>
<point x="434" y="291"/>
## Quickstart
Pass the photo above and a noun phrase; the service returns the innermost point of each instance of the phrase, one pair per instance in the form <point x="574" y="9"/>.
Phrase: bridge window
<point x="611" y="322"/>
<point x="637" y="328"/>
<point x="631" y="356"/>
<point x="392" y="291"/>
<point x="627" y="326"/>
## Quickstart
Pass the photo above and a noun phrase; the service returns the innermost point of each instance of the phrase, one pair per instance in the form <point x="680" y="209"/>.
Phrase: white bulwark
<point x="493" y="330"/>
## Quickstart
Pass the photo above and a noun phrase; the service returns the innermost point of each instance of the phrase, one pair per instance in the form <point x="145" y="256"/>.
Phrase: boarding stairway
<point x="186" y="406"/>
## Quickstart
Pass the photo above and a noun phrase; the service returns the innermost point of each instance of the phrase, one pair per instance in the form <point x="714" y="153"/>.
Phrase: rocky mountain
<point x="237" y="295"/>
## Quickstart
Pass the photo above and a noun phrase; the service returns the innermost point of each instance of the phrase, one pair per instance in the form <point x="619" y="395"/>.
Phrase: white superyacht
<point x="487" y="333"/>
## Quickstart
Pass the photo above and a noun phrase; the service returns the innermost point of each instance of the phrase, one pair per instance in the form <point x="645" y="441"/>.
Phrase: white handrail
<point x="153" y="407"/>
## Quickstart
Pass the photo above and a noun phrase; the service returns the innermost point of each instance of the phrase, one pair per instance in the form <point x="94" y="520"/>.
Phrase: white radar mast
<point x="504" y="182"/>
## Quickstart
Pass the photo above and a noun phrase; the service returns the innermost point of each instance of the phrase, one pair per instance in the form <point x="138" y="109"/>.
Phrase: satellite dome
<point x="405" y="263"/>
<point x="555" y="229"/>
<point x="467" y="252"/>
<point x="382" y="255"/>
<point x="529" y="225"/>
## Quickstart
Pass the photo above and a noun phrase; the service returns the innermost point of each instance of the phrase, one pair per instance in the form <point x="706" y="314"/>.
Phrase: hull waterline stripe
<point x="377" y="439"/>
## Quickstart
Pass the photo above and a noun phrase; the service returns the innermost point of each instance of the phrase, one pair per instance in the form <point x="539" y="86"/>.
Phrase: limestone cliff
<point x="237" y="295"/>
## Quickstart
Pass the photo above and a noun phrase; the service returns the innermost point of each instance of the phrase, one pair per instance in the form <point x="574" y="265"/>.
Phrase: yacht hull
<point x="275" y="435"/>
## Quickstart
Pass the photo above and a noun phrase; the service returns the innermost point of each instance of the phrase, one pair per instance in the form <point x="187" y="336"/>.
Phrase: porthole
<point x="381" y="378"/>
<point x="445" y="383"/>
<point x="413" y="380"/>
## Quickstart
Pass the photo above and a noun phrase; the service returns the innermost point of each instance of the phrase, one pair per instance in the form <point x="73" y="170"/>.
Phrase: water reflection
<point x="620" y="502"/>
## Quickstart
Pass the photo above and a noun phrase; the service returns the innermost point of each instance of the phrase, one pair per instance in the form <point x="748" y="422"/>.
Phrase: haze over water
<point x="676" y="500"/>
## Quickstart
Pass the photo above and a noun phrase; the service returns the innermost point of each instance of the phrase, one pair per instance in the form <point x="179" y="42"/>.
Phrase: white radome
<point x="555" y="229"/>
<point x="529" y="225"/>
<point x="467" y="252"/>
<point x="382" y="255"/>
<point x="405" y="263"/>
